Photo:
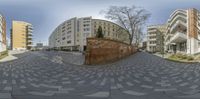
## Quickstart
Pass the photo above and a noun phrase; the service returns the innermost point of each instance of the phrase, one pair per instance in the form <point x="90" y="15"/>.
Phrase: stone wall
<point x="101" y="51"/>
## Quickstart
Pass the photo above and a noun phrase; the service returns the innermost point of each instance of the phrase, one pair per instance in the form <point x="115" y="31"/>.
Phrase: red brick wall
<point x="101" y="51"/>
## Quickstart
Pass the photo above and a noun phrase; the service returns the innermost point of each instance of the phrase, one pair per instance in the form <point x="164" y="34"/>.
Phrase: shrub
<point x="3" y="54"/>
<point x="180" y="56"/>
<point x="190" y="58"/>
<point x="184" y="57"/>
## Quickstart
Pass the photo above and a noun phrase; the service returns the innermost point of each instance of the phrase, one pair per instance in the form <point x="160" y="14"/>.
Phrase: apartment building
<point x="21" y="35"/>
<point x="155" y="37"/>
<point x="63" y="36"/>
<point x="2" y="34"/>
<point x="110" y="30"/>
<point x="73" y="35"/>
<point x="183" y="32"/>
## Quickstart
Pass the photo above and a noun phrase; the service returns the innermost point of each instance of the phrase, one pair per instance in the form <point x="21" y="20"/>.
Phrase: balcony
<point x="178" y="12"/>
<point x="168" y="36"/>
<point x="153" y="39"/>
<point x="152" y="44"/>
<point x="178" y="37"/>
<point x="178" y="23"/>
<point x="153" y="30"/>
<point x="176" y="18"/>
<point x="30" y="31"/>
<point x="29" y="36"/>
<point x="29" y="45"/>
<point x="29" y="39"/>
<point x="30" y="27"/>
<point x="151" y="35"/>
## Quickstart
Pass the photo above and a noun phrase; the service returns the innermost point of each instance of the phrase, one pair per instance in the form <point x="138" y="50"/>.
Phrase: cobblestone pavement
<point x="48" y="75"/>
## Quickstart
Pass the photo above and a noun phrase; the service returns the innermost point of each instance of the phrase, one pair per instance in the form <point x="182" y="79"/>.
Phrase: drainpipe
<point x="190" y="46"/>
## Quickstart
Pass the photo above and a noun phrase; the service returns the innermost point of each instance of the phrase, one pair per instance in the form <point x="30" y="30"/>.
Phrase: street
<point x="62" y="75"/>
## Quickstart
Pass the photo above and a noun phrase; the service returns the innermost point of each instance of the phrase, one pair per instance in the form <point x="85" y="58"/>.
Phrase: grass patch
<point x="181" y="57"/>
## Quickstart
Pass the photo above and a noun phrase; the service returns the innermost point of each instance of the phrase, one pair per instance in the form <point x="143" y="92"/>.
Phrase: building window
<point x="63" y="30"/>
<point x="69" y="28"/>
<point x="69" y="32"/>
<point x="68" y="37"/>
<point x="86" y="19"/>
<point x="68" y="42"/>
<point x="85" y="25"/>
<point x="199" y="44"/>
<point x="86" y="29"/>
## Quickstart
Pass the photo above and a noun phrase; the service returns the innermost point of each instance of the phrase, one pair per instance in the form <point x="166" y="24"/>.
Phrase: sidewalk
<point x="10" y="56"/>
<point x="160" y="55"/>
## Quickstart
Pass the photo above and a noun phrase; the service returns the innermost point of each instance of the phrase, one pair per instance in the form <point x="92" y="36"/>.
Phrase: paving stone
<point x="42" y="93"/>
<point x="139" y="76"/>
<point x="99" y="94"/>
<point x="131" y="92"/>
<point x="5" y="96"/>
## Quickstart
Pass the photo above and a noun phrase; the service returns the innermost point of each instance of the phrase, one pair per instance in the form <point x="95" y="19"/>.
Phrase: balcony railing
<point x="150" y="31"/>
<point x="178" y="12"/>
<point x="176" y="24"/>
<point x="154" y="39"/>
<point x="152" y="44"/>
<point x="178" y="37"/>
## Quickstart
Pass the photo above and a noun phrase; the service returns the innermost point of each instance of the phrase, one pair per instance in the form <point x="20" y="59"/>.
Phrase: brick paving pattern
<point x="60" y="75"/>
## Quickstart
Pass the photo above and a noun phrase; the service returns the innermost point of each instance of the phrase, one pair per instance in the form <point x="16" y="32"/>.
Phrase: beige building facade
<point x="77" y="31"/>
<point x="155" y="37"/>
<point x="2" y="33"/>
<point x="21" y="35"/>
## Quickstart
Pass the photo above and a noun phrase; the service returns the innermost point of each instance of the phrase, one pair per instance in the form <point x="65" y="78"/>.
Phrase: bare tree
<point x="130" y="18"/>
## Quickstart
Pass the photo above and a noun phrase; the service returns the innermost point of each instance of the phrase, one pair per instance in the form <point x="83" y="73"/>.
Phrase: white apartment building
<point x="155" y="37"/>
<point x="72" y="34"/>
<point x="183" y="32"/>
<point x="2" y="34"/>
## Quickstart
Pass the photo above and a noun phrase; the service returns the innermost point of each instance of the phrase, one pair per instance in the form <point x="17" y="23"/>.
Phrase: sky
<point x="46" y="15"/>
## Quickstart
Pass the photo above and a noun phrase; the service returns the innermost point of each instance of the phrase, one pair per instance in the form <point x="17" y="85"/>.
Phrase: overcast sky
<point x="46" y="15"/>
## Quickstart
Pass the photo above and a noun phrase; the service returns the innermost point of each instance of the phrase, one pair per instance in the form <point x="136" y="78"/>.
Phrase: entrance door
<point x="84" y="48"/>
<point x="174" y="48"/>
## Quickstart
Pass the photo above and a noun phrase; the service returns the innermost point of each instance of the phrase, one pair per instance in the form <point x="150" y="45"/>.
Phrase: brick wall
<point x="101" y="51"/>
